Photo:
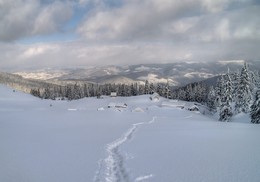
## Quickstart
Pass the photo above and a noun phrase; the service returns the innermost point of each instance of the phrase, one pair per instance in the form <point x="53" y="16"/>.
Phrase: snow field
<point x="44" y="140"/>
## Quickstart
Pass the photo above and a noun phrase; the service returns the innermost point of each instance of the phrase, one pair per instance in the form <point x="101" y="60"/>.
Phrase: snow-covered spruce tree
<point x="77" y="93"/>
<point x="254" y="81"/>
<point x="244" y="95"/>
<point x="255" y="108"/>
<point x="151" y="88"/>
<point x="86" y="90"/>
<point x="166" y="90"/>
<point x="35" y="92"/>
<point x="236" y="81"/>
<point x="47" y="93"/>
<point x="226" y="100"/>
<point x="189" y="94"/>
<point x="211" y="99"/>
<point x="69" y="92"/>
<point x="133" y="89"/>
<point x="257" y="74"/>
<point x="159" y="89"/>
<point x="218" y="91"/>
<point x="200" y="91"/>
<point x="146" y="87"/>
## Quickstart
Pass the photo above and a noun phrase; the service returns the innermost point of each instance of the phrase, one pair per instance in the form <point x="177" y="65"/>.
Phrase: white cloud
<point x="75" y="54"/>
<point x="223" y="30"/>
<point x="130" y="31"/>
<point x="134" y="20"/>
<point x="38" y="50"/>
<point x="216" y="5"/>
<point x="225" y="62"/>
<point x="51" y="18"/>
<point x="23" y="18"/>
<point x="163" y="20"/>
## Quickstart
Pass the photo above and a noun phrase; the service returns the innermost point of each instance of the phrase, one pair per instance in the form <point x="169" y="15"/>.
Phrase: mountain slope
<point x="178" y="74"/>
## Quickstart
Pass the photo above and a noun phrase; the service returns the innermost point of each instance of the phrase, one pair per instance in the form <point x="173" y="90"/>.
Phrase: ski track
<point x="111" y="169"/>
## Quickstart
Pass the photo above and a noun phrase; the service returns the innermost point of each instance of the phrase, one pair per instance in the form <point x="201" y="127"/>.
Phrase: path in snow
<point x="112" y="169"/>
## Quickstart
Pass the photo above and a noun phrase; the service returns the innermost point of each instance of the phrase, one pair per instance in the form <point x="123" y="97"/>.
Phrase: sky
<point x="37" y="34"/>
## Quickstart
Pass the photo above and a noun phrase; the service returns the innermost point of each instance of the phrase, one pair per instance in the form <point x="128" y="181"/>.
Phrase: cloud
<point x="162" y="20"/>
<point x="51" y="18"/>
<point x="38" y="50"/>
<point x="24" y="18"/>
<point x="77" y="54"/>
<point x="129" y="31"/>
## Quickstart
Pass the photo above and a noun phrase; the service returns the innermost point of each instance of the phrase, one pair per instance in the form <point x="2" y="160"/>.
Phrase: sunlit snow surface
<point x="77" y="141"/>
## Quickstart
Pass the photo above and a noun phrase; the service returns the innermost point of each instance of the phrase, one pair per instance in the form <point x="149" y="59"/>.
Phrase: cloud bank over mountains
<point x="98" y="32"/>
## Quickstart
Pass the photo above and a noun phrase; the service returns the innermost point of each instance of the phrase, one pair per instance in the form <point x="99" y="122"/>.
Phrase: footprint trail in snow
<point x="111" y="169"/>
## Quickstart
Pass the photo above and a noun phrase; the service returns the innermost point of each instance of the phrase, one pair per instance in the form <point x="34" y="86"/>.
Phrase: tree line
<point x="233" y="93"/>
<point x="78" y="91"/>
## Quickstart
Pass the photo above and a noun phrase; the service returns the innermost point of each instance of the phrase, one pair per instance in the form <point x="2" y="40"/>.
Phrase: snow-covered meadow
<point x="155" y="141"/>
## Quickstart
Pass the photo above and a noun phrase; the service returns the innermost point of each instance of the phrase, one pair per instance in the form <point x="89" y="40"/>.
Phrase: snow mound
<point x="138" y="109"/>
<point x="72" y="109"/>
<point x="173" y="103"/>
<point x="155" y="97"/>
<point x="101" y="109"/>
<point x="117" y="105"/>
<point x="193" y="108"/>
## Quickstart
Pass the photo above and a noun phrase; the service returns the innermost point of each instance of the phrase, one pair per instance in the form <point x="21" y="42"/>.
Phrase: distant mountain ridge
<point x="178" y="74"/>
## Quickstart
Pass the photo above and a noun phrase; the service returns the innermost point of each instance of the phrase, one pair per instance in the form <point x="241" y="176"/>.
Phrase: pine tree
<point x="257" y="79"/>
<point x="243" y="99"/>
<point x="235" y="84"/>
<point x="159" y="89"/>
<point x="35" y="92"/>
<point x="146" y="87"/>
<point x="77" y="94"/>
<point x="218" y="91"/>
<point x="86" y="90"/>
<point x="133" y="89"/>
<point x="200" y="93"/>
<point x="189" y="93"/>
<point x="254" y="82"/>
<point x="181" y="94"/>
<point x="211" y="99"/>
<point x="69" y="92"/>
<point x="226" y="100"/>
<point x="166" y="91"/>
<point x="46" y="93"/>
<point x="151" y="89"/>
<point x="255" y="109"/>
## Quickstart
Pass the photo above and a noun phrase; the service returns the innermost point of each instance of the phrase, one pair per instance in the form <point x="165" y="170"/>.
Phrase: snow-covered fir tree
<point x="159" y="89"/>
<point x="226" y="100"/>
<point x="255" y="108"/>
<point x="77" y="92"/>
<point x="218" y="91"/>
<point x="69" y="92"/>
<point x="134" y="89"/>
<point x="211" y="99"/>
<point x="243" y="90"/>
<point x="235" y="81"/>
<point x="200" y="94"/>
<point x="35" y="92"/>
<point x="190" y="96"/>
<point x="166" y="90"/>
<point x="151" y="88"/>
<point x="257" y="74"/>
<point x="254" y="81"/>
<point x="146" y="87"/>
